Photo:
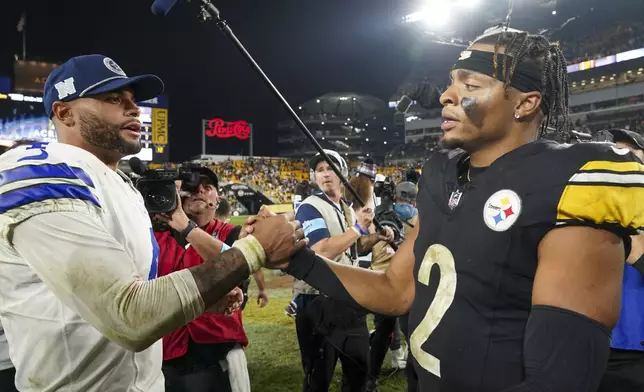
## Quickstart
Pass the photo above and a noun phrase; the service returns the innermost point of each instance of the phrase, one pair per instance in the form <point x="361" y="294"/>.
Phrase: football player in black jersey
<point x="512" y="277"/>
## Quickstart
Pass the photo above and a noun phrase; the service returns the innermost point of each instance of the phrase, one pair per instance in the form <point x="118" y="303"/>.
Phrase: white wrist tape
<point x="253" y="252"/>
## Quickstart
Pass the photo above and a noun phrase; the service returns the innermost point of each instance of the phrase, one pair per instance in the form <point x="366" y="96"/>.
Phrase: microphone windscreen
<point x="162" y="7"/>
<point x="424" y="93"/>
<point x="404" y="104"/>
<point x="137" y="166"/>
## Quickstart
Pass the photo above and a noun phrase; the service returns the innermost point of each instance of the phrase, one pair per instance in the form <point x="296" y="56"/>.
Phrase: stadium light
<point x="317" y="100"/>
<point x="436" y="14"/>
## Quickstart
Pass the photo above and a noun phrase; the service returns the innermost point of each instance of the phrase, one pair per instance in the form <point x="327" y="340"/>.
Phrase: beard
<point x="101" y="134"/>
<point x="449" y="144"/>
<point x="194" y="208"/>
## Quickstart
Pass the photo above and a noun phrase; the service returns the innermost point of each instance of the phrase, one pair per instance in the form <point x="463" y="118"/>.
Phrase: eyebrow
<point x="463" y="74"/>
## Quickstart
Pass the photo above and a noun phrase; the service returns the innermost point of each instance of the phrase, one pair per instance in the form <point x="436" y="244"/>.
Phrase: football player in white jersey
<point x="79" y="299"/>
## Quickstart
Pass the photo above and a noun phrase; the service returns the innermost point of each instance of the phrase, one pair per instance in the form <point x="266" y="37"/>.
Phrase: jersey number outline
<point x="436" y="254"/>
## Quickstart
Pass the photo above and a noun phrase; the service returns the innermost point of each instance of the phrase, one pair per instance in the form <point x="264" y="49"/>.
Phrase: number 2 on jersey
<point x="436" y="254"/>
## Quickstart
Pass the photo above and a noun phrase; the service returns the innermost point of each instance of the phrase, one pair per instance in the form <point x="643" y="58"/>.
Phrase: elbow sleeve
<point x="143" y="312"/>
<point x="564" y="351"/>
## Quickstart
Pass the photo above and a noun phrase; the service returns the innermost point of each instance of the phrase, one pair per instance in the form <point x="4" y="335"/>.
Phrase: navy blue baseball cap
<point x="85" y="76"/>
<point x="626" y="136"/>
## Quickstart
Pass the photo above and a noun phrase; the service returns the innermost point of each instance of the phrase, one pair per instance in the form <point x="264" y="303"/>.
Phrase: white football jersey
<point x="52" y="347"/>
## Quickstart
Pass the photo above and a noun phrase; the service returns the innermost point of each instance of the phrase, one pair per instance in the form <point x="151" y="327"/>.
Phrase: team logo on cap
<point x="502" y="210"/>
<point x="620" y="151"/>
<point x="112" y="66"/>
<point x="465" y="55"/>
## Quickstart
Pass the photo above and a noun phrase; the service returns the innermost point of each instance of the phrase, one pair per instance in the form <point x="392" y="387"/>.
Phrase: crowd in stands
<point x="278" y="178"/>
<point x="275" y="178"/>
<point x="608" y="41"/>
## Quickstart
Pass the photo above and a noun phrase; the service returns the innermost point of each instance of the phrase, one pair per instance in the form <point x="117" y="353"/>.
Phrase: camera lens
<point x="157" y="200"/>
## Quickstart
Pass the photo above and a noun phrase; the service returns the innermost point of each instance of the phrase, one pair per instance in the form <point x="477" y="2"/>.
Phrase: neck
<point x="202" y="219"/>
<point x="108" y="157"/>
<point x="487" y="154"/>
<point x="334" y="197"/>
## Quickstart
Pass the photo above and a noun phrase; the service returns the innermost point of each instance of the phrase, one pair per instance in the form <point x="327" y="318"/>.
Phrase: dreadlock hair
<point x="549" y="57"/>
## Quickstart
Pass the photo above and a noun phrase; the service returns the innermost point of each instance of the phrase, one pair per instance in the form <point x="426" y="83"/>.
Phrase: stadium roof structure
<point x="344" y="104"/>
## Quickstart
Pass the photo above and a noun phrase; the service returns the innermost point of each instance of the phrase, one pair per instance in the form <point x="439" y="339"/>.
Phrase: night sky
<point x="307" y="47"/>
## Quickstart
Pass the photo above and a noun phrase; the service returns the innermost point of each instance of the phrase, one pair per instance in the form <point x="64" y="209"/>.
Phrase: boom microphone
<point x="423" y="93"/>
<point x="210" y="13"/>
<point x="404" y="104"/>
<point x="162" y="7"/>
<point x="137" y="166"/>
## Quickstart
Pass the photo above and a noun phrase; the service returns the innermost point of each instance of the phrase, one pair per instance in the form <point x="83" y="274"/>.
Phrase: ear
<point x="62" y="111"/>
<point x="527" y="104"/>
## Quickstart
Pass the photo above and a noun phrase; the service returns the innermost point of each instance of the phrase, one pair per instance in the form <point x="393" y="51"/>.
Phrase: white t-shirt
<point x="58" y="204"/>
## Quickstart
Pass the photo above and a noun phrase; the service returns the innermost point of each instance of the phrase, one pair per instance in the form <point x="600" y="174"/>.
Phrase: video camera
<point x="157" y="186"/>
<point x="386" y="191"/>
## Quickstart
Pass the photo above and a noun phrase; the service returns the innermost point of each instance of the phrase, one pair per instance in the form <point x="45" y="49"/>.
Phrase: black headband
<point x="526" y="76"/>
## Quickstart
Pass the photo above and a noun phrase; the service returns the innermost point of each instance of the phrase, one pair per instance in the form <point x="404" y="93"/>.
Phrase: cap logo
<point x="620" y="151"/>
<point x="112" y="66"/>
<point x="65" y="88"/>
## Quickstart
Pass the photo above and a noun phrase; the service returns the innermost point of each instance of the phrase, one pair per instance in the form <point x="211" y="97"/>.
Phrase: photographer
<point x="406" y="214"/>
<point x="329" y="329"/>
<point x="194" y="353"/>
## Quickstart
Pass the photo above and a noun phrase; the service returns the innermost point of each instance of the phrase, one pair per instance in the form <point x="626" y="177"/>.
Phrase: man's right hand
<point x="280" y="236"/>
<point x="177" y="219"/>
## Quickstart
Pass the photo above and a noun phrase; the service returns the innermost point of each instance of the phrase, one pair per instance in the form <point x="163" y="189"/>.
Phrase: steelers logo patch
<point x="465" y="55"/>
<point x="112" y="66"/>
<point x="501" y="210"/>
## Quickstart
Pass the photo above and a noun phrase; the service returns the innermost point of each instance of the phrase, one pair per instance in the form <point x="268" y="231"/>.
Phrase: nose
<point x="131" y="109"/>
<point x="448" y="97"/>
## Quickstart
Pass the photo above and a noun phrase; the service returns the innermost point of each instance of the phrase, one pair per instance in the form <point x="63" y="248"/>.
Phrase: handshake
<point x="268" y="240"/>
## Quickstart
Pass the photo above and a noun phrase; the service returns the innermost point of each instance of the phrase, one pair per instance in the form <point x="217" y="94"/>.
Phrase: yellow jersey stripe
<point x="619" y="167"/>
<point x="603" y="204"/>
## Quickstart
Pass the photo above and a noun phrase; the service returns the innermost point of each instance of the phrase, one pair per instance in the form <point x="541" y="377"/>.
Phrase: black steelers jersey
<point x="476" y="251"/>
